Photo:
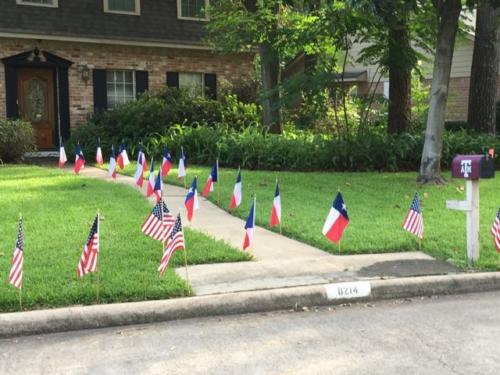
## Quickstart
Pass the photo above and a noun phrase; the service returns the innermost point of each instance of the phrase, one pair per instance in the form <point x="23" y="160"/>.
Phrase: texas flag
<point x="122" y="158"/>
<point x="150" y="188"/>
<point x="276" y="210"/>
<point x="212" y="178"/>
<point x="166" y="164"/>
<point x="236" y="198"/>
<point x="142" y="166"/>
<point x="62" y="155"/>
<point x="337" y="220"/>
<point x="191" y="201"/>
<point x="112" y="164"/>
<point x="79" y="159"/>
<point x="98" y="155"/>
<point x="182" y="165"/>
<point x="249" y="226"/>
<point x="158" y="187"/>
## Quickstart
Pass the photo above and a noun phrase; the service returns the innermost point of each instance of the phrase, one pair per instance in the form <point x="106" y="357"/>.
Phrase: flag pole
<point x="97" y="260"/>
<point x="281" y="216"/>
<point x="218" y="181"/>
<point x="339" y="247"/>
<point x="184" y="163"/>
<point x="21" y="286"/>
<point x="419" y="244"/>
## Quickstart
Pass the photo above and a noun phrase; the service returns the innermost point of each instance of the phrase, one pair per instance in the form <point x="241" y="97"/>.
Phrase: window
<point x="192" y="9"/>
<point x="386" y="89"/>
<point x="42" y="3"/>
<point x="193" y="83"/>
<point x="120" y="87"/>
<point x="123" y="6"/>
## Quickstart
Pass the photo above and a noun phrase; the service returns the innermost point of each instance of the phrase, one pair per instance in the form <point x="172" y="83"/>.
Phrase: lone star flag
<point x="142" y="165"/>
<point x="212" y="178"/>
<point x="249" y="226"/>
<point x="236" y="198"/>
<point x="150" y="188"/>
<point x="88" y="261"/>
<point x="495" y="231"/>
<point x="182" y="165"/>
<point x="191" y="201"/>
<point x="98" y="155"/>
<point x="175" y="241"/>
<point x="122" y="158"/>
<point x="166" y="164"/>
<point x="158" y="187"/>
<point x="414" y="222"/>
<point x="159" y="223"/>
<point x="491" y="152"/>
<point x="62" y="155"/>
<point x="337" y="220"/>
<point x="16" y="272"/>
<point x="79" y="159"/>
<point x="276" y="210"/>
<point x="112" y="164"/>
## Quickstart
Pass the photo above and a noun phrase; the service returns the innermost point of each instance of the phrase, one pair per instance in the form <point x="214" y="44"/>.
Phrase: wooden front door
<point x="35" y="97"/>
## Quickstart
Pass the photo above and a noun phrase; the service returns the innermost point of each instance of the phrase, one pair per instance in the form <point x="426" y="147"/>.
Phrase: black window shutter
<point x="100" y="91"/>
<point x="172" y="79"/>
<point x="11" y="91"/>
<point x="141" y="82"/>
<point x="63" y="104"/>
<point x="211" y="85"/>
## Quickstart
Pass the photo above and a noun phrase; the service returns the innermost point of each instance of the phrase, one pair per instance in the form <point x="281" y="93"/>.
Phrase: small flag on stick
<point x="122" y="159"/>
<point x="237" y="194"/>
<point x="142" y="166"/>
<point x="276" y="210"/>
<point x="249" y="226"/>
<point x="150" y="188"/>
<point x="158" y="187"/>
<point x="16" y="272"/>
<point x="495" y="231"/>
<point x="88" y="260"/>
<point x="166" y="164"/>
<point x="191" y="202"/>
<point x="62" y="155"/>
<point x="182" y="165"/>
<point x="79" y="159"/>
<point x="337" y="220"/>
<point x="112" y="163"/>
<point x="159" y="223"/>
<point x="98" y="155"/>
<point x="491" y="152"/>
<point x="212" y="179"/>
<point x="414" y="222"/>
<point x="175" y="241"/>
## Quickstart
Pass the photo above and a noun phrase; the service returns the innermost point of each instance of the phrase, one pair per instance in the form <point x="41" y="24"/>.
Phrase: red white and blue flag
<point x="276" y="210"/>
<point x="142" y="166"/>
<point x="112" y="163"/>
<point x="88" y="260"/>
<point x="212" y="178"/>
<point x="16" y="271"/>
<point x="182" y="165"/>
<point x="79" y="159"/>
<point x="249" y="226"/>
<point x="158" y="187"/>
<point x="495" y="231"/>
<point x="166" y="164"/>
<point x="191" y="202"/>
<point x="98" y="155"/>
<point x="175" y="241"/>
<point x="62" y="155"/>
<point x="237" y="194"/>
<point x="159" y="223"/>
<point x="337" y="220"/>
<point x="122" y="158"/>
<point x="414" y="221"/>
<point x="150" y="188"/>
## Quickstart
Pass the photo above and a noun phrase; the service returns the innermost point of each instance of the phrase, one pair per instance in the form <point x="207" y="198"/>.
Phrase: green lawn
<point x="377" y="205"/>
<point x="58" y="209"/>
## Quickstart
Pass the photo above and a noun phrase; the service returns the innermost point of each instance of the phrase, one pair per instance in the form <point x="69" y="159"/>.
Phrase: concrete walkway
<point x="279" y="261"/>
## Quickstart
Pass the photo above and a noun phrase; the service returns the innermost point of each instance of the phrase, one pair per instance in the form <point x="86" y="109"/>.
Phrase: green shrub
<point x="16" y="138"/>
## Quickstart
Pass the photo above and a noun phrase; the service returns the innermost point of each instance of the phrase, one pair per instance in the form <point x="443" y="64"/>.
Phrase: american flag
<point x="495" y="231"/>
<point x="88" y="261"/>
<point x="414" y="222"/>
<point x="159" y="223"/>
<point x="175" y="241"/>
<point x="16" y="272"/>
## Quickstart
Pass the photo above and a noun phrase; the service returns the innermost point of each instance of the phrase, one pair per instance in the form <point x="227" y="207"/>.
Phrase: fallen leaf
<point x="426" y="195"/>
<point x="348" y="183"/>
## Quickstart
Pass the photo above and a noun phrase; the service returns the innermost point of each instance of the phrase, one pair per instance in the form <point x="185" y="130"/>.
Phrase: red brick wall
<point x="157" y="61"/>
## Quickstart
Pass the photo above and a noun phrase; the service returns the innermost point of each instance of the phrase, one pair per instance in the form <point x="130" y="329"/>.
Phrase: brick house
<point x="61" y="59"/>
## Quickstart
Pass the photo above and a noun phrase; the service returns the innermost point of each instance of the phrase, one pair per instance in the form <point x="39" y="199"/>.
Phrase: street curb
<point x="120" y="314"/>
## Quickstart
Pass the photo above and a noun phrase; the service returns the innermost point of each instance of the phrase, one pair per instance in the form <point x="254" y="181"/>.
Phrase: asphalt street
<point x="446" y="335"/>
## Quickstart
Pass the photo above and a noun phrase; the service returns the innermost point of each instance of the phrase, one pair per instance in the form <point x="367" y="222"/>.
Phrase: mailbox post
<point x="471" y="168"/>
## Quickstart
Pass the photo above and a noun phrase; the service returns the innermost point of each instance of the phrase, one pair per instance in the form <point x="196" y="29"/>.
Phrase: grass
<point x="58" y="209"/>
<point x="377" y="205"/>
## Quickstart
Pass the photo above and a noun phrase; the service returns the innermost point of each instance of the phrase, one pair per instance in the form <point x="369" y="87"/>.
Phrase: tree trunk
<point x="399" y="79"/>
<point x="484" y="70"/>
<point x="270" y="69"/>
<point x="430" y="165"/>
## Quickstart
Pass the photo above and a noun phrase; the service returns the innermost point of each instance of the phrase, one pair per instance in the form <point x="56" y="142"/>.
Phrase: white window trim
<point x="136" y="13"/>
<point x="179" y="13"/>
<point x="55" y="4"/>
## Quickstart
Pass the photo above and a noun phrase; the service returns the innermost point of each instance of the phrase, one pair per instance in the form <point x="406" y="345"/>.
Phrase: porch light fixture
<point x="85" y="72"/>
